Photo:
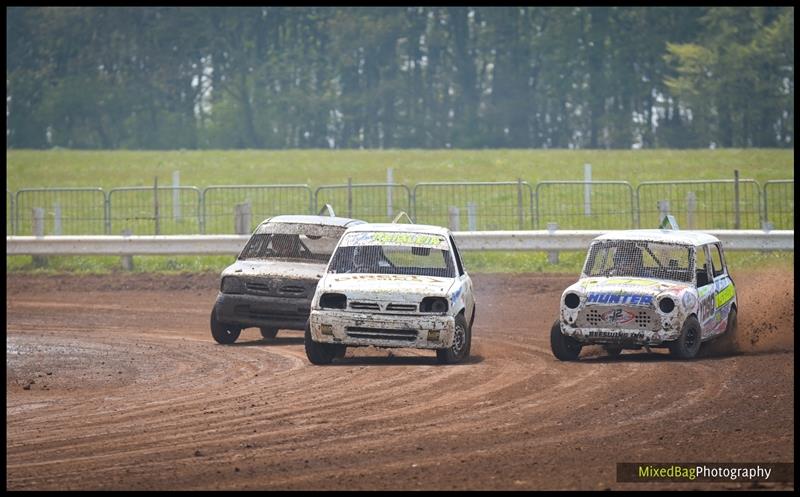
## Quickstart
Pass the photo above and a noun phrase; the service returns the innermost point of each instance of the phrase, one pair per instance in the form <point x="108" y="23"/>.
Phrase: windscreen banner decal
<point x="395" y="238"/>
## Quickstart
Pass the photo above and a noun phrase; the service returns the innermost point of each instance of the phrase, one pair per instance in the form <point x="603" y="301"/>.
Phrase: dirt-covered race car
<point x="647" y="288"/>
<point x="393" y="285"/>
<point x="271" y="284"/>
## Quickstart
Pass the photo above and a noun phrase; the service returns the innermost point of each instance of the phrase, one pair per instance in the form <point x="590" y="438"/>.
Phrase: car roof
<point x="308" y="219"/>
<point x="695" y="238"/>
<point x="403" y="228"/>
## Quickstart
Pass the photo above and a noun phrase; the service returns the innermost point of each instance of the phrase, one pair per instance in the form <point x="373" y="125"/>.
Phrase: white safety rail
<point x="467" y="241"/>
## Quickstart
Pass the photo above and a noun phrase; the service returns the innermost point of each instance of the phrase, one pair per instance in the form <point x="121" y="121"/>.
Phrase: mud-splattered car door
<point x="465" y="283"/>
<point x="724" y="291"/>
<point x="705" y="291"/>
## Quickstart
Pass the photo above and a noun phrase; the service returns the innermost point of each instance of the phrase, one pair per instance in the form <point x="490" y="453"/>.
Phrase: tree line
<point x="399" y="77"/>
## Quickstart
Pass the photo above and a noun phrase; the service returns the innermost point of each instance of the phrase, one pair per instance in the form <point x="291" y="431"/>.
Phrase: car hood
<point x="394" y="287"/>
<point x="277" y="269"/>
<point x="623" y="286"/>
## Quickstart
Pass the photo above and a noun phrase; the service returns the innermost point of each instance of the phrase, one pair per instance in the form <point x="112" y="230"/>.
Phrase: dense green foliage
<point x="399" y="77"/>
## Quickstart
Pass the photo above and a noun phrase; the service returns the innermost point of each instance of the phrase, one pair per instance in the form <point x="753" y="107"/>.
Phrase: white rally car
<point x="393" y="285"/>
<point x="647" y="288"/>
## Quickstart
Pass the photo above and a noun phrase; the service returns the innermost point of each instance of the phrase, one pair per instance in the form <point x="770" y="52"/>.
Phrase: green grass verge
<point x="569" y="262"/>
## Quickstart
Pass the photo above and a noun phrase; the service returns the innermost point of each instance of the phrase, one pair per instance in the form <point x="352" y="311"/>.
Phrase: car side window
<point x="703" y="278"/>
<point x="459" y="264"/>
<point x="716" y="259"/>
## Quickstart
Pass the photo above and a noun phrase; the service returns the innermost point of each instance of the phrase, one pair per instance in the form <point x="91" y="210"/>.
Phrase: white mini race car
<point x="647" y="288"/>
<point x="393" y="285"/>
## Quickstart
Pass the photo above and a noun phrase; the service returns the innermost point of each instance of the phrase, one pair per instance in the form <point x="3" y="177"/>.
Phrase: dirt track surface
<point x="115" y="383"/>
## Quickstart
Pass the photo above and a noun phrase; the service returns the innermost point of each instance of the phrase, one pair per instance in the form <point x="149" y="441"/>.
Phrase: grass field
<point x="112" y="169"/>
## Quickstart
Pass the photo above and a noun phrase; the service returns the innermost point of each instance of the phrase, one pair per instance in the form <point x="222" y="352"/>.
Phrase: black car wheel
<point x="268" y="333"/>
<point x="688" y="343"/>
<point x="321" y="353"/>
<point x="462" y="341"/>
<point x="223" y="333"/>
<point x="564" y="348"/>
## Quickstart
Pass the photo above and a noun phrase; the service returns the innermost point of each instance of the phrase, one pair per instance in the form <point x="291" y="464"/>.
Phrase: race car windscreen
<point x="292" y="242"/>
<point x="393" y="253"/>
<point x="640" y="259"/>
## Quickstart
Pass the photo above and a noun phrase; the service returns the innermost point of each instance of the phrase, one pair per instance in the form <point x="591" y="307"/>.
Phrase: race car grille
<point x="593" y="317"/>
<point x="257" y="287"/>
<point x="365" y="306"/>
<point x="374" y="306"/>
<point x="401" y="307"/>
<point x="379" y="334"/>
<point x="625" y="317"/>
<point x="643" y="319"/>
<point x="263" y="288"/>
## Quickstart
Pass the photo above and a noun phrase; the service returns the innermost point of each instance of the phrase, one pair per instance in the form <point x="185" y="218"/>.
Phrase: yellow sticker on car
<point x="724" y="295"/>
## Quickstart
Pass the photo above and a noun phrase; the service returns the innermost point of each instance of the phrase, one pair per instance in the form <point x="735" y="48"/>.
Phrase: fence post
<point x="38" y="230"/>
<point x="56" y="219"/>
<point x="13" y="212"/>
<point x="155" y="205"/>
<point x="737" y="218"/>
<point x="552" y="255"/>
<point x="455" y="220"/>
<point x="176" y="195"/>
<point x="242" y="217"/>
<point x="389" y="182"/>
<point x="520" y="212"/>
<point x="587" y="190"/>
<point x="127" y="260"/>
<point x="691" y="205"/>
<point x="107" y="211"/>
<point x="350" y="197"/>
<point x="472" y="216"/>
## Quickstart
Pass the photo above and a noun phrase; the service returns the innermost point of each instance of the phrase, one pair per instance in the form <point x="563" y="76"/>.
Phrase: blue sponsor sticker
<point x="613" y="298"/>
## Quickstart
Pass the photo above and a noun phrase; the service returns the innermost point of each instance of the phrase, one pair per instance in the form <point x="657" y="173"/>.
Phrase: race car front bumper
<point x="620" y="336"/>
<point x="381" y="330"/>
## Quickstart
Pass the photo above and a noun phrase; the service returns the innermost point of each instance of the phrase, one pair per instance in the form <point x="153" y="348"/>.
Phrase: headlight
<point x="232" y="284"/>
<point x="666" y="305"/>
<point x="572" y="301"/>
<point x="433" y="304"/>
<point x="333" y="301"/>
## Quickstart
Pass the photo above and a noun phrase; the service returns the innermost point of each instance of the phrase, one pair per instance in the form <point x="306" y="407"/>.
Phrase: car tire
<point x="268" y="333"/>
<point x="564" y="348"/>
<point x="613" y="351"/>
<point x="688" y="343"/>
<point x="321" y="353"/>
<point x="339" y="351"/>
<point x="223" y="333"/>
<point x="462" y="342"/>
